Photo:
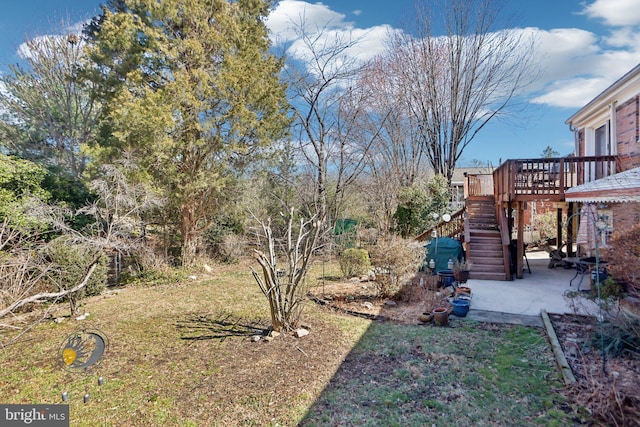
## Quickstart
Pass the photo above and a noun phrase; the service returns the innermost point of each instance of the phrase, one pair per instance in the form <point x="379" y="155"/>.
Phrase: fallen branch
<point x="52" y="295"/>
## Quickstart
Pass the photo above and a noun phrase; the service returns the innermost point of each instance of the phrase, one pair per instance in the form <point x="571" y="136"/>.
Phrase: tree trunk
<point x="189" y="236"/>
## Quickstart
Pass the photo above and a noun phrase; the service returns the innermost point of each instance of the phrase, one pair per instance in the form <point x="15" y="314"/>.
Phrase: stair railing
<point x="454" y="228"/>
<point x="501" y="216"/>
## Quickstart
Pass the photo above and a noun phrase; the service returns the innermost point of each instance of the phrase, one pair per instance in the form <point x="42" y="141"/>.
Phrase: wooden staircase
<point x="484" y="242"/>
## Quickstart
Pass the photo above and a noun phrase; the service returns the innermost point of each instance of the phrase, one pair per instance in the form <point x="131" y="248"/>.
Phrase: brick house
<point x="609" y="125"/>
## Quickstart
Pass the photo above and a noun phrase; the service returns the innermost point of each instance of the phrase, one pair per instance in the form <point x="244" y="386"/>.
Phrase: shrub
<point x="354" y="262"/>
<point x="546" y="224"/>
<point x="70" y="262"/>
<point x="232" y="248"/>
<point x="145" y="266"/>
<point x="622" y="256"/>
<point x="423" y="289"/>
<point x="620" y="336"/>
<point x="394" y="259"/>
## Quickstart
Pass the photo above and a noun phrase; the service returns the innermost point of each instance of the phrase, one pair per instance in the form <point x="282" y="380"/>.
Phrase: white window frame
<point x="605" y="118"/>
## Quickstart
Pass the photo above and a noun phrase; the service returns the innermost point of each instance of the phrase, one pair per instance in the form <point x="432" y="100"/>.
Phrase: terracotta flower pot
<point x="441" y="316"/>
<point x="425" y="317"/>
<point x="463" y="290"/>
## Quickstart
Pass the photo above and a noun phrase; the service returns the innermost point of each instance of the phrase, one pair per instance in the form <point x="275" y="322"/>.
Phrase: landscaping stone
<point x="299" y="333"/>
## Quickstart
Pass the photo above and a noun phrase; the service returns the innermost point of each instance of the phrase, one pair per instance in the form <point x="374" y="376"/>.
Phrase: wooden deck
<point x="547" y="179"/>
<point x="516" y="182"/>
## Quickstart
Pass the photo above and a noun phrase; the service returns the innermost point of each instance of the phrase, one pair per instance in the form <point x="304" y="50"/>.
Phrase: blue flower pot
<point x="460" y="307"/>
<point x="446" y="278"/>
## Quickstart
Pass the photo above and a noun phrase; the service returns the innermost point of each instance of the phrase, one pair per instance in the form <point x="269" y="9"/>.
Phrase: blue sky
<point x="584" y="46"/>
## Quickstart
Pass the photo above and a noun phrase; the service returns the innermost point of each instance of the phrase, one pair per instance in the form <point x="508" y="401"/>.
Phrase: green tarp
<point x="345" y="232"/>
<point x="345" y="226"/>
<point x="441" y="250"/>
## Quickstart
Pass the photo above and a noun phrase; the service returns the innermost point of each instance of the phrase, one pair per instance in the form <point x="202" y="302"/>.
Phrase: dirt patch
<point x="360" y="298"/>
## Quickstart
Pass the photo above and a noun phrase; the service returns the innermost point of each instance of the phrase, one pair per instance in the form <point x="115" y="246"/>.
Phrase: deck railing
<point x="545" y="179"/>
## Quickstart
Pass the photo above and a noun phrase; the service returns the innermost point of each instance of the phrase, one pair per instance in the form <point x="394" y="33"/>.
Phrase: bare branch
<point x="51" y="295"/>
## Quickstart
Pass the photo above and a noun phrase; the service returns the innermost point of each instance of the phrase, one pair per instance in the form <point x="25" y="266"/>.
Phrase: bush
<point x="622" y="256"/>
<point x="145" y="266"/>
<point x="70" y="262"/>
<point x="224" y="239"/>
<point x="620" y="337"/>
<point x="354" y="262"/>
<point x="394" y="259"/>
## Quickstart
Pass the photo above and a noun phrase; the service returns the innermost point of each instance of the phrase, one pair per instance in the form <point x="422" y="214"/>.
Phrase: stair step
<point x="485" y="241"/>
<point x="487" y="276"/>
<point x="485" y="233"/>
<point x="479" y="242"/>
<point x="481" y="214"/>
<point x="488" y="250"/>
<point x="484" y="261"/>
<point x="482" y="239"/>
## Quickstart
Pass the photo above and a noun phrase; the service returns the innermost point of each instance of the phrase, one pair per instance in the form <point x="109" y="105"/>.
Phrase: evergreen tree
<point x="192" y="93"/>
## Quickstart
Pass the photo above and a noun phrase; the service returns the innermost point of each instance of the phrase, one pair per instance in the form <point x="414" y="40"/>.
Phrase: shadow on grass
<point x="464" y="374"/>
<point x="219" y="327"/>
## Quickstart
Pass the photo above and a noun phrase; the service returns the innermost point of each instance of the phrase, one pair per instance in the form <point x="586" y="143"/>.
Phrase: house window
<point x="457" y="197"/>
<point x="598" y="143"/>
<point x="602" y="146"/>
<point x="605" y="234"/>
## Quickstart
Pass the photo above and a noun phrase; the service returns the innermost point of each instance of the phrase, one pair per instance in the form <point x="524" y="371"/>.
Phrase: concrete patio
<point x="520" y="301"/>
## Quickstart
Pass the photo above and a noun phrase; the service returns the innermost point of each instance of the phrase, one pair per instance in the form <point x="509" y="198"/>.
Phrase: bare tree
<point x="397" y="157"/>
<point x="328" y="110"/>
<point x="48" y="110"/>
<point x="28" y="266"/>
<point x="286" y="289"/>
<point x="458" y="82"/>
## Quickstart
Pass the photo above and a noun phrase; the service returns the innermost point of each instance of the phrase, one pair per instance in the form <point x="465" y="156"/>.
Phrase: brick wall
<point x="628" y="133"/>
<point x="625" y="215"/>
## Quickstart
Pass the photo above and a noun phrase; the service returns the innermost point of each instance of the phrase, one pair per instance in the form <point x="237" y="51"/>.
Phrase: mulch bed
<point x="607" y="386"/>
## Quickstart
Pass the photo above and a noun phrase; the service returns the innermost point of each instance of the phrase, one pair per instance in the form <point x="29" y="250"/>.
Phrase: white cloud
<point x="328" y="26"/>
<point x="572" y="93"/>
<point x="624" y="38"/>
<point x="561" y="51"/>
<point x="24" y="50"/>
<point x="575" y="64"/>
<point x="283" y="19"/>
<point x="617" y="13"/>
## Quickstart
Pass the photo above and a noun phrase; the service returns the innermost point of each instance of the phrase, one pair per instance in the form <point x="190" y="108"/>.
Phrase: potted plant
<point x="431" y="299"/>
<point x="461" y="271"/>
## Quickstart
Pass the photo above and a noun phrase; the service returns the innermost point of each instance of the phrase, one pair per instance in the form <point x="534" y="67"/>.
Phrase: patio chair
<point x="581" y="270"/>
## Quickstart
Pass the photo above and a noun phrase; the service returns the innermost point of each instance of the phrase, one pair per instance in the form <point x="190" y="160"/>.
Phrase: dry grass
<point x="181" y="355"/>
